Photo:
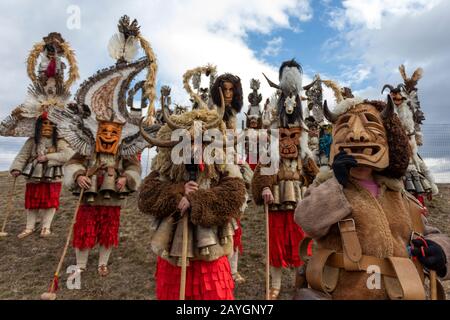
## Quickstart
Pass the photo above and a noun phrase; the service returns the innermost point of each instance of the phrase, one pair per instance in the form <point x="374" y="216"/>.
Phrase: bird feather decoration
<point x="121" y="48"/>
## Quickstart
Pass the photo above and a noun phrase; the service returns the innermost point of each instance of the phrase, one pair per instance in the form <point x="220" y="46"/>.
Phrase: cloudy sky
<point x="357" y="43"/>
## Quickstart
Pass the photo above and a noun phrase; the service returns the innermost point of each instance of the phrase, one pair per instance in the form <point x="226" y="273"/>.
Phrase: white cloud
<point x="273" y="47"/>
<point x="183" y="34"/>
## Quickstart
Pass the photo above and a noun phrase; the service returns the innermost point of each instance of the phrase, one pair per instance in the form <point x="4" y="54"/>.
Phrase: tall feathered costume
<point x="107" y="144"/>
<point x="44" y="153"/>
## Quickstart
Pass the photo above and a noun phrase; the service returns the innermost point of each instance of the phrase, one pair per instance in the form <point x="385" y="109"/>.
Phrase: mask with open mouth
<point x="289" y="142"/>
<point x="361" y="133"/>
<point x="108" y="137"/>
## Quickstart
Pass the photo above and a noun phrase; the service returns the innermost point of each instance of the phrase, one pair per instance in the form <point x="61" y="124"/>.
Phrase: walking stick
<point x="266" y="213"/>
<point x="184" y="257"/>
<point x="51" y="294"/>
<point x="8" y="208"/>
<point x="433" y="285"/>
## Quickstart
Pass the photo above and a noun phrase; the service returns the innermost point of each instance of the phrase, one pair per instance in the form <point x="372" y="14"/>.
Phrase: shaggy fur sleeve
<point x="259" y="182"/>
<point x="216" y="205"/>
<point x="322" y="206"/>
<point x="22" y="157"/>
<point x="132" y="171"/>
<point x="159" y="198"/>
<point x="434" y="234"/>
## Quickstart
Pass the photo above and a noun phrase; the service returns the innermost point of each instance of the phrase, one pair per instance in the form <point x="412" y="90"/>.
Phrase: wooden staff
<point x="433" y="285"/>
<point x="266" y="212"/>
<point x="51" y="294"/>
<point x="8" y="208"/>
<point x="184" y="257"/>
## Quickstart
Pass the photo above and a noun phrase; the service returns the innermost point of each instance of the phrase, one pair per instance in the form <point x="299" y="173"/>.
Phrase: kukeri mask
<point x="289" y="142"/>
<point x="108" y="137"/>
<point x="361" y="133"/>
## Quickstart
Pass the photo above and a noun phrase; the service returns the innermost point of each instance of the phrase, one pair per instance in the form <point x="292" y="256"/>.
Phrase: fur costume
<point x="353" y="229"/>
<point x="107" y="144"/>
<point x="49" y="90"/>
<point x="220" y="197"/>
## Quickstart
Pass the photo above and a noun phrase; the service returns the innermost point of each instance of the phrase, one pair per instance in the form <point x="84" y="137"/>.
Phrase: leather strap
<point x="409" y="286"/>
<point x="337" y="261"/>
<point x="319" y="275"/>
<point x="350" y="244"/>
<point x="303" y="249"/>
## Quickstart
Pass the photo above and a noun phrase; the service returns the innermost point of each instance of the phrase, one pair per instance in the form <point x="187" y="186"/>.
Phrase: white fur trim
<point x="291" y="80"/>
<point x="346" y="105"/>
<point x="305" y="152"/>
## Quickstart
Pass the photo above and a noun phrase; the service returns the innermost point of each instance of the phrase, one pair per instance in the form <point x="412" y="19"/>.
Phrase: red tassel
<point x="54" y="284"/>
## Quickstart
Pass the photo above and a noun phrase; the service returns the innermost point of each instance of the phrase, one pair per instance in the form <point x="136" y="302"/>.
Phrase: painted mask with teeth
<point x="108" y="137"/>
<point x="361" y="133"/>
<point x="289" y="142"/>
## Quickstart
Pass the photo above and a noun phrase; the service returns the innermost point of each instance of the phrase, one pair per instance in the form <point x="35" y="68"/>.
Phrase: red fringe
<point x="285" y="236"/>
<point x="96" y="224"/>
<point x="237" y="237"/>
<point x="42" y="195"/>
<point x="204" y="280"/>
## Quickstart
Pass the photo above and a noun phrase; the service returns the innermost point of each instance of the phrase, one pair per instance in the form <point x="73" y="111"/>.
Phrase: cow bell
<point x="226" y="232"/>
<point x="276" y="194"/>
<point x="162" y="237"/>
<point x="176" y="248"/>
<point x="417" y="183"/>
<point x="58" y="172"/>
<point x="38" y="171"/>
<point x="28" y="170"/>
<point x="409" y="185"/>
<point x="108" y="185"/>
<point x="49" y="173"/>
<point x="124" y="192"/>
<point x="91" y="193"/>
<point x="205" y="237"/>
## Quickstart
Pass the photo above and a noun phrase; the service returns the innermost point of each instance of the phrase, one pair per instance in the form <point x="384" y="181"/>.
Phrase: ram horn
<point x="330" y="116"/>
<point x="391" y="88"/>
<point x="388" y="111"/>
<point x="272" y="84"/>
<point x="154" y="141"/>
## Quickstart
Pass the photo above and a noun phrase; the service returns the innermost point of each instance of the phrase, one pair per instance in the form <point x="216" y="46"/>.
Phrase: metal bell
<point x="49" y="173"/>
<point x="426" y="184"/>
<point x="176" y="248"/>
<point x="409" y="185"/>
<point x="226" y="232"/>
<point x="124" y="192"/>
<point x="58" y="172"/>
<point x="28" y="170"/>
<point x="288" y="192"/>
<point x="91" y="193"/>
<point x="205" y="237"/>
<point x="38" y="171"/>
<point x="162" y="237"/>
<point x="417" y="184"/>
<point x="108" y="186"/>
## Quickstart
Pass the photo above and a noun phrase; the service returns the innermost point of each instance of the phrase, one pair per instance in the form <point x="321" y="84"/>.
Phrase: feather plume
<point x="121" y="48"/>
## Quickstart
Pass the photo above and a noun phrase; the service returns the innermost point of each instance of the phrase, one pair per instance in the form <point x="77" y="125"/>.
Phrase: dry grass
<point x="27" y="266"/>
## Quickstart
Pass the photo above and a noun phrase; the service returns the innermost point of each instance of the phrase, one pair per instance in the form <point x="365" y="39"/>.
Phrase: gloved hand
<point x="431" y="255"/>
<point x="341" y="166"/>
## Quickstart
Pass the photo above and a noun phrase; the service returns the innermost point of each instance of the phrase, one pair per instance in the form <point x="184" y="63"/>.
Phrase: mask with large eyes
<point x="108" y="137"/>
<point x="47" y="128"/>
<point x="361" y="133"/>
<point x="289" y="142"/>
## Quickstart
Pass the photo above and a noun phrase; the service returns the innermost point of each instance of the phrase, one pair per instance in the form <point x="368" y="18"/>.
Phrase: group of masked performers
<point x="347" y="194"/>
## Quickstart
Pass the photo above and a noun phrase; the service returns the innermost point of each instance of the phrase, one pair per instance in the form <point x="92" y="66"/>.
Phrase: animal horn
<point x="307" y="87"/>
<point x="172" y="125"/>
<point x="387" y="86"/>
<point x="388" y="111"/>
<point x="221" y="113"/>
<point x="272" y="84"/>
<point x="154" y="141"/>
<point x="330" y="116"/>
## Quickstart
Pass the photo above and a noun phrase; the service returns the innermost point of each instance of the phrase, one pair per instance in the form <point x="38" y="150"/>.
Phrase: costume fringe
<point x="42" y="195"/>
<point x="96" y="224"/>
<point x="284" y="239"/>
<point x="204" y="280"/>
<point x="237" y="237"/>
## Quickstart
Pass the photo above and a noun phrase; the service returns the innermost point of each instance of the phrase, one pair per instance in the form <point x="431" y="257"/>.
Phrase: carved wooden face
<point x="227" y="90"/>
<point x="289" y="142"/>
<point x="108" y="137"/>
<point x="397" y="98"/>
<point x="361" y="133"/>
<point x="47" y="128"/>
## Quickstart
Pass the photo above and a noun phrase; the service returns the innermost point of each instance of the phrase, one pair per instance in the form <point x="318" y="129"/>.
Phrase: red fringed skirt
<point x="96" y="224"/>
<point x="237" y="237"/>
<point x="285" y="236"/>
<point x="42" y="195"/>
<point x="204" y="280"/>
